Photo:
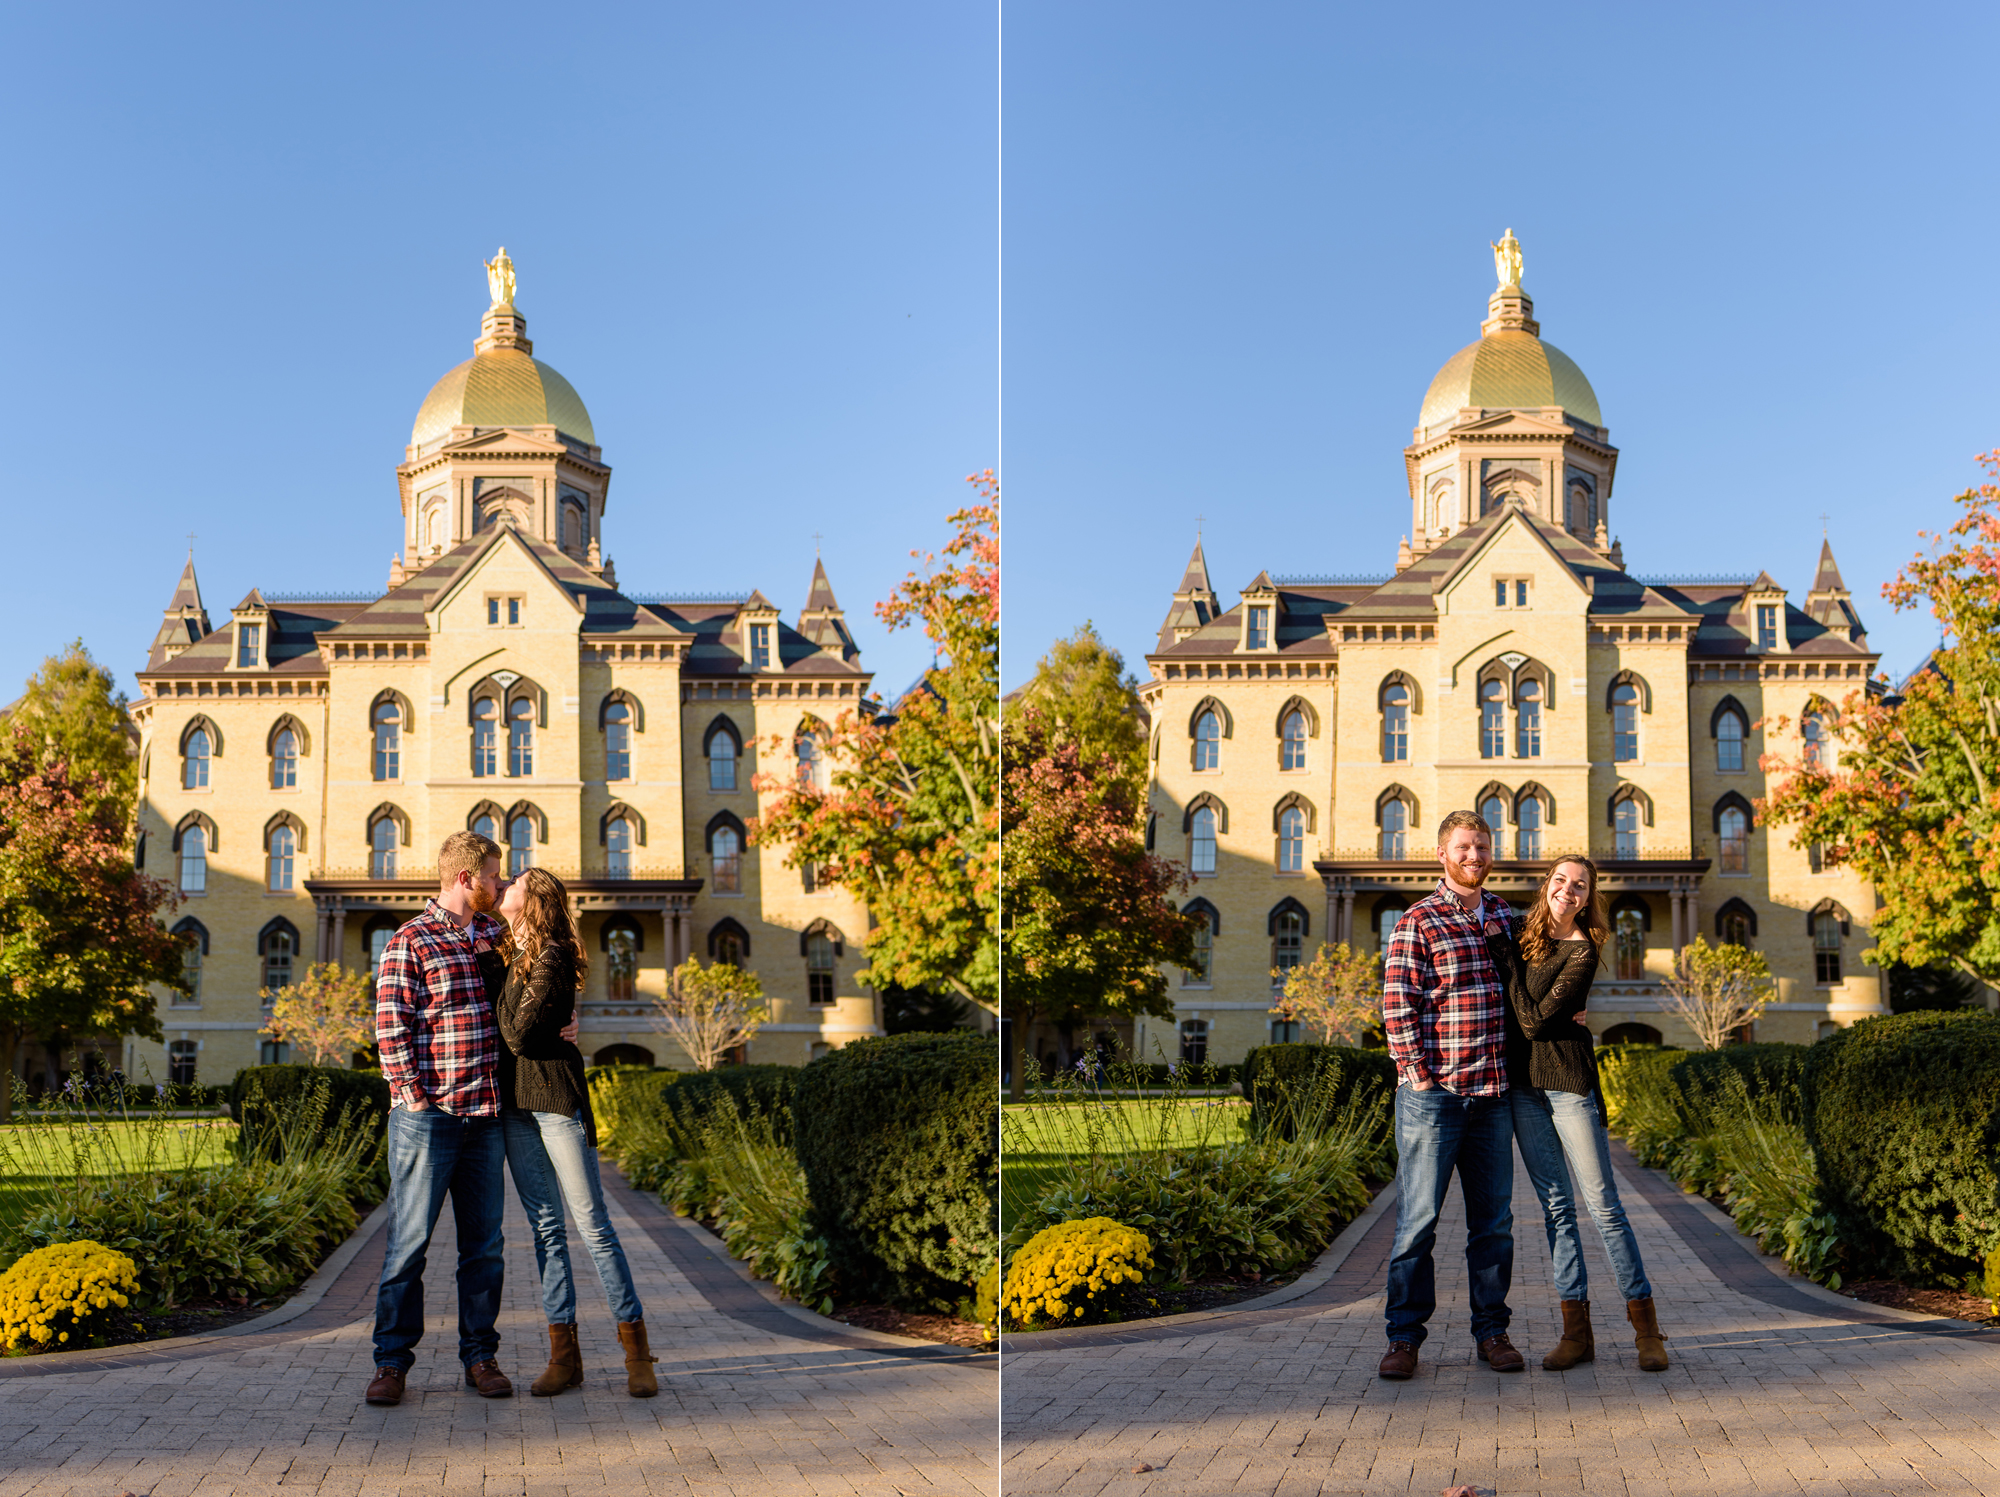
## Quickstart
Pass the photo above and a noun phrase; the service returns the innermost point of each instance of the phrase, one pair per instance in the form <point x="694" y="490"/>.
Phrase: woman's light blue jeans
<point x="553" y="1163"/>
<point x="1568" y="1154"/>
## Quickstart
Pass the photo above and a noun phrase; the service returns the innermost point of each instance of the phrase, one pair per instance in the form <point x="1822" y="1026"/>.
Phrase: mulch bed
<point x="947" y="1330"/>
<point x="135" y="1327"/>
<point x="1949" y="1303"/>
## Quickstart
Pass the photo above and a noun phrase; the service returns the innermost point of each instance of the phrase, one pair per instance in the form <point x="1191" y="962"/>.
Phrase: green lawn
<point x="1037" y="1137"/>
<point x="35" y="1155"/>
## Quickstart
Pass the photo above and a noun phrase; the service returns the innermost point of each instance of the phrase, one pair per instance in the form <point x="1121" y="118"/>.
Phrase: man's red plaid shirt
<point x="1442" y="1003"/>
<point x="432" y="1018"/>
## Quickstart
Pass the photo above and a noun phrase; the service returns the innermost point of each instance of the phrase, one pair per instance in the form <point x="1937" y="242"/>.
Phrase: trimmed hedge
<point x="1903" y="1115"/>
<point x="1768" y="1069"/>
<point x="1270" y="1069"/>
<point x="761" y="1088"/>
<point x="363" y="1095"/>
<point x="899" y="1138"/>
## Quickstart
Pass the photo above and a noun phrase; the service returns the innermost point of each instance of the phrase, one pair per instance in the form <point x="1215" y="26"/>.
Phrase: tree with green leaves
<point x="81" y="944"/>
<point x="1716" y="990"/>
<point x="711" y="1010"/>
<point x="1091" y="698"/>
<point x="73" y="713"/>
<point x="1336" y="997"/>
<point x="1090" y="914"/>
<point x="329" y="1013"/>
<point x="1910" y="797"/>
<point x="909" y="819"/>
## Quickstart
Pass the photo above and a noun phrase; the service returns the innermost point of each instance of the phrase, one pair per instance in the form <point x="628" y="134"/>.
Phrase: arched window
<point x="1826" y="934"/>
<point x="194" y="860"/>
<point x="1288" y="941"/>
<point x="278" y="857"/>
<point x="181" y="1058"/>
<point x="819" y="968"/>
<point x="486" y="822"/>
<point x="618" y="848"/>
<point x="1732" y="829"/>
<point x="1395" y="829"/>
<point x="1624" y="723"/>
<point x="1207" y="742"/>
<point x="388" y="718"/>
<point x="1528" y="721"/>
<point x="617" y="742"/>
<point x="1292" y="750"/>
<point x="1291" y="840"/>
<point x="285" y="760"/>
<point x="520" y="844"/>
<point x="1730" y="731"/>
<point x="1632" y="1034"/>
<point x="1493" y="811"/>
<point x="1812" y="732"/>
<point x="811" y="760"/>
<point x="194" y="761"/>
<point x="1628" y="939"/>
<point x="436" y="521"/>
<point x="378" y="942"/>
<point x="1736" y="924"/>
<point x="725" y="848"/>
<point x="193" y="936"/>
<point x="621" y="964"/>
<point x="277" y="944"/>
<point x="520" y="737"/>
<point x="1625" y="829"/>
<point x="1387" y="913"/>
<point x="1202" y="973"/>
<point x="1194" y="1042"/>
<point x="728" y="943"/>
<point x="1201" y="840"/>
<point x="382" y="848"/>
<point x="723" y="749"/>
<point x="1492" y="720"/>
<point x="1528" y="827"/>
<point x="1395" y="723"/>
<point x="485" y="737"/>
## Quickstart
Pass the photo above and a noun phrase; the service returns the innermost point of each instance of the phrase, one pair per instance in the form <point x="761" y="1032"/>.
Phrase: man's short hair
<point x="1472" y="821"/>
<point x="464" y="852"/>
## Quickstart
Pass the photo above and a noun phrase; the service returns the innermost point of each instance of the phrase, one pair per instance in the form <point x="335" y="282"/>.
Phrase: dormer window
<point x="1767" y="626"/>
<point x="1257" y="628"/>
<point x="760" y="647"/>
<point x="249" y="645"/>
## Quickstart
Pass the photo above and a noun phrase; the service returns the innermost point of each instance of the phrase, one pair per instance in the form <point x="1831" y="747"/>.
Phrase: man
<point x="1445" y="1013"/>
<point x="440" y="1054"/>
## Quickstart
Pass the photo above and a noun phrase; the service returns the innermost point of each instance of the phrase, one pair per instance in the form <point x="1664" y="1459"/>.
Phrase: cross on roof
<point x="190" y="545"/>
<point x="817" y="538"/>
<point x="1199" y="521"/>
<point x="1822" y="525"/>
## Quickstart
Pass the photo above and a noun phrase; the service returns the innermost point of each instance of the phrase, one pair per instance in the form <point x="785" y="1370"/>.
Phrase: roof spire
<point x="1195" y="578"/>
<point x="184" y="620"/>
<point x="819" y="597"/>
<point x="821" y="620"/>
<point x="1827" y="578"/>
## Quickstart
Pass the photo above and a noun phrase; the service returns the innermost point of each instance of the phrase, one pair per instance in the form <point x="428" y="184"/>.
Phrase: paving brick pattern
<point x="750" y="1402"/>
<point x="1763" y="1398"/>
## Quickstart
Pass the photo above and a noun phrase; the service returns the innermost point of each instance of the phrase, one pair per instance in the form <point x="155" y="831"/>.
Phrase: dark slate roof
<point x="1827" y="577"/>
<point x="184" y="620"/>
<point x="820" y="595"/>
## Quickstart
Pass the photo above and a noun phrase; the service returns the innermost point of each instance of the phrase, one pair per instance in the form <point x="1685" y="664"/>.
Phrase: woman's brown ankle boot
<point x="639" y="1379"/>
<point x="1647" y="1335"/>
<point x="565" y="1369"/>
<point x="1578" y="1344"/>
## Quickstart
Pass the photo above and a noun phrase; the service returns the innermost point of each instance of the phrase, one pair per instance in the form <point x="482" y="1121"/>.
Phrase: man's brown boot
<point x="487" y="1377"/>
<point x="387" y="1387"/>
<point x="639" y="1379"/>
<point x="1578" y="1344"/>
<point x="1498" y="1353"/>
<point x="1400" y="1361"/>
<point x="1647" y="1335"/>
<point x="565" y="1369"/>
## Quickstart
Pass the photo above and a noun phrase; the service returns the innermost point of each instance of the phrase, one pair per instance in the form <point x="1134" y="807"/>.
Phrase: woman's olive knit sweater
<point x="539" y="1069"/>
<point x="1547" y="1045"/>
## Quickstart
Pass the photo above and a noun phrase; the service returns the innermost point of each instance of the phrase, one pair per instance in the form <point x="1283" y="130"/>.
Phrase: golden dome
<point x="1509" y="368"/>
<point x="502" y="387"/>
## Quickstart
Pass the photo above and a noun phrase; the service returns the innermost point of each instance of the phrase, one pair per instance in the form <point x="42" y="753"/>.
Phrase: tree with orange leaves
<point x="909" y="819"/>
<point x="1911" y="798"/>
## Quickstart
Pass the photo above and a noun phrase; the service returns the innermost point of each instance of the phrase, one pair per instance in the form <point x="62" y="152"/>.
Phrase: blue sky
<point x="1239" y="240"/>
<point x="245" y="240"/>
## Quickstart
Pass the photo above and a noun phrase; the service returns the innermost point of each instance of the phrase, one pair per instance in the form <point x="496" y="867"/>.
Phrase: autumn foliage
<point x="1911" y="799"/>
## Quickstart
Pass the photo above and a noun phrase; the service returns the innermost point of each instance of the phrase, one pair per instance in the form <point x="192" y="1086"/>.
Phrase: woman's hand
<point x="572" y="1029"/>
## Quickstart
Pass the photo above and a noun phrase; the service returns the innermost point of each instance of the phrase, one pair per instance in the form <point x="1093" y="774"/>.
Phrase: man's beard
<point x="1471" y="881"/>
<point x="484" y="901"/>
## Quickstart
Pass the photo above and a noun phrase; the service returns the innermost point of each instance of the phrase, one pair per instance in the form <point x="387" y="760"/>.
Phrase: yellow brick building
<point x="1306" y="741"/>
<point x="301" y="760"/>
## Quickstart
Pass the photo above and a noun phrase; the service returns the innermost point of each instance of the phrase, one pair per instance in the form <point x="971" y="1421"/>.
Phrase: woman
<point x="1559" y="1110"/>
<point x="551" y="1136"/>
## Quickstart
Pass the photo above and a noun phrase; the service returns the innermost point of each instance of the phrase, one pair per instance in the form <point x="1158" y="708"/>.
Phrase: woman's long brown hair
<point x="544" y="922"/>
<point x="1592" y="920"/>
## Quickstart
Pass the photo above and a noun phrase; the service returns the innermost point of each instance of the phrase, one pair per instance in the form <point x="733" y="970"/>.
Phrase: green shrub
<point x="766" y="1089"/>
<point x="1769" y="1069"/>
<point x="627" y="1103"/>
<point x="1903" y="1114"/>
<point x="1642" y="1102"/>
<point x="1269" y="1071"/>
<point x="899" y="1139"/>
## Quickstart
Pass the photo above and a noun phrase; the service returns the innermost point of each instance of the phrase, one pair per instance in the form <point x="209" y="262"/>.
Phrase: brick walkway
<point x="1772" y="1390"/>
<point x="751" y="1400"/>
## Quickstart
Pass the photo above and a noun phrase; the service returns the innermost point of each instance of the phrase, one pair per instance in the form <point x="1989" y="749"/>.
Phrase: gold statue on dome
<point x="1506" y="259"/>
<point x="500" y="278"/>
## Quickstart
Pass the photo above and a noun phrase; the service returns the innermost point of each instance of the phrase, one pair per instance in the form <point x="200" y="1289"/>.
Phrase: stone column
<point x="1333" y="913"/>
<point x="339" y="931"/>
<point x="325" y="928"/>
<point x="1347" y="914"/>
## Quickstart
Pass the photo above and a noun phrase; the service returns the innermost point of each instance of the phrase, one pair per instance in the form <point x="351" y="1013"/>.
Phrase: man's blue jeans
<point x="552" y="1163"/>
<point x="1437" y="1132"/>
<point x="430" y="1153"/>
<point x="1568" y="1155"/>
